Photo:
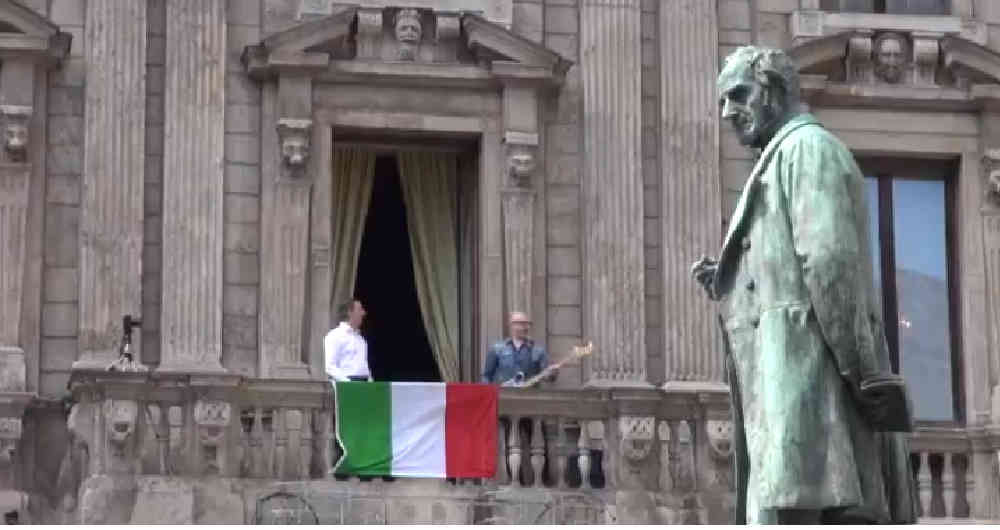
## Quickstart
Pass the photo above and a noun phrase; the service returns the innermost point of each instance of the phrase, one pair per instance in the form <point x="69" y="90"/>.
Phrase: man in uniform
<point x="803" y="334"/>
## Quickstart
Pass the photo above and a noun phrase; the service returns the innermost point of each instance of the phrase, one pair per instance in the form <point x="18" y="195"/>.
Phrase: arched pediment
<point x="24" y="33"/>
<point x="372" y="44"/>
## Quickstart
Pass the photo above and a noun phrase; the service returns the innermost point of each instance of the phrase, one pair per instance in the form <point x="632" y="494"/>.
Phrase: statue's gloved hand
<point x="703" y="272"/>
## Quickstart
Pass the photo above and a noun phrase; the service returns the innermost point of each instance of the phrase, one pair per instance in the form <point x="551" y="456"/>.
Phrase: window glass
<point x="897" y="7"/>
<point x="918" y="7"/>
<point x="919" y="230"/>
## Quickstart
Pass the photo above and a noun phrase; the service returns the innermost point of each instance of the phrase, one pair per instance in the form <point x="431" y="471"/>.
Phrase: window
<point x="911" y="236"/>
<point x="893" y="7"/>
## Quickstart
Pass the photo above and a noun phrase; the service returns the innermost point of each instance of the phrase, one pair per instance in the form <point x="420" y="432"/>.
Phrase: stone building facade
<point x="175" y="161"/>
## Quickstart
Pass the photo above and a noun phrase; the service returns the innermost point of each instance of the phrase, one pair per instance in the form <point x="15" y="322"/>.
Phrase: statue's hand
<point x="703" y="272"/>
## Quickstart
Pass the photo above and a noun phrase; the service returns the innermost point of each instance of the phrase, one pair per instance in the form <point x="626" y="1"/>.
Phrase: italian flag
<point x="417" y="429"/>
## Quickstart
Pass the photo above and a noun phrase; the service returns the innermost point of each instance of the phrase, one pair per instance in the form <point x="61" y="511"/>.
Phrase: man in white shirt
<point x="345" y="350"/>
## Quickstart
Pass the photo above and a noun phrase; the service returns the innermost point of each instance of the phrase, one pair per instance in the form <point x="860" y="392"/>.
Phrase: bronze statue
<point x="816" y="407"/>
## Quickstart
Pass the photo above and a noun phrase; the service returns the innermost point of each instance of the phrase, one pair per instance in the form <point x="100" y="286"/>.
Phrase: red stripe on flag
<point x="471" y="430"/>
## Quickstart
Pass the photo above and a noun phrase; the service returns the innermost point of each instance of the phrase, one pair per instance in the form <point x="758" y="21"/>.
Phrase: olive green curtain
<point x="429" y="182"/>
<point x="353" y="179"/>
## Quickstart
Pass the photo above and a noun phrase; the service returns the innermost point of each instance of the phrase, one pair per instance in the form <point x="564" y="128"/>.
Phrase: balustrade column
<point x="614" y="281"/>
<point x="194" y="107"/>
<point x="690" y="185"/>
<point x="111" y="203"/>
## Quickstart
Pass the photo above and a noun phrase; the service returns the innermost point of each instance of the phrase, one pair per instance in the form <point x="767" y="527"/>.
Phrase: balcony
<point x="229" y="449"/>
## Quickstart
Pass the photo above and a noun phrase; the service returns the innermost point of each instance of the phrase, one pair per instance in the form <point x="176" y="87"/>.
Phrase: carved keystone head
<point x="521" y="163"/>
<point x="637" y="435"/>
<point x="294" y="135"/>
<point x="212" y="418"/>
<point x="408" y="33"/>
<point x="891" y="56"/>
<point x="720" y="437"/>
<point x="120" y="417"/>
<point x="16" y="131"/>
<point x="991" y="166"/>
<point x="10" y="433"/>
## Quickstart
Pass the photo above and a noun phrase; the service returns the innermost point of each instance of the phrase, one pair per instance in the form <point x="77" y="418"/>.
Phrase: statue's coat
<point x="801" y="323"/>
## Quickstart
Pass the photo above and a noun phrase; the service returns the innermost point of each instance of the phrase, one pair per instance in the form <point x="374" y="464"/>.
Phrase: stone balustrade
<point x="666" y="454"/>
<point x="942" y="462"/>
<point x="589" y="455"/>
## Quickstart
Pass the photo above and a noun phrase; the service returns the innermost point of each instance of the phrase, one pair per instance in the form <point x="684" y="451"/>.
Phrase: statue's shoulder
<point x="812" y="139"/>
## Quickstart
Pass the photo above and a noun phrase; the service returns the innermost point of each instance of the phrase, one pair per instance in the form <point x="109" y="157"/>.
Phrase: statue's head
<point x="890" y="56"/>
<point x="758" y="92"/>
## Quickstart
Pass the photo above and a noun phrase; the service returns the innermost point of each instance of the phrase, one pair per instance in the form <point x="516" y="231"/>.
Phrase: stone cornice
<point x="505" y="58"/>
<point x="37" y="39"/>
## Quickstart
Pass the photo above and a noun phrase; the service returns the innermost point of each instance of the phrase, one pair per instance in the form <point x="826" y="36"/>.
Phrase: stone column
<point x="111" y="206"/>
<point x="614" y="283"/>
<point x="690" y="185"/>
<point x="194" y="108"/>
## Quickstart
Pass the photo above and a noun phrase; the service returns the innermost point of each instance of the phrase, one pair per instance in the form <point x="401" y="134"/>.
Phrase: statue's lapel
<point x="743" y="209"/>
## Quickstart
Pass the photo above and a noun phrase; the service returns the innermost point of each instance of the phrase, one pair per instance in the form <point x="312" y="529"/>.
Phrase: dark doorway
<point x="398" y="349"/>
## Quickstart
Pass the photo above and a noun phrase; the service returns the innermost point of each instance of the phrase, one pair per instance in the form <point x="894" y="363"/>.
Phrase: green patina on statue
<point x="816" y="408"/>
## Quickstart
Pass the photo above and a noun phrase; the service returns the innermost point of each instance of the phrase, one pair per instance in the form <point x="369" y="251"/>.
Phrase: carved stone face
<point x="890" y="57"/>
<point x="408" y="28"/>
<point x="121" y="416"/>
<point x="720" y="435"/>
<point x="521" y="162"/>
<point x="16" y="139"/>
<point x="408" y="33"/>
<point x="295" y="150"/>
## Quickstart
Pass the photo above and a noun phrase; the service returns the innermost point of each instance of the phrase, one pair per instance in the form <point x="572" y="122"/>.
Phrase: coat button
<point x="746" y="243"/>
<point x="751" y="285"/>
<point x="755" y="322"/>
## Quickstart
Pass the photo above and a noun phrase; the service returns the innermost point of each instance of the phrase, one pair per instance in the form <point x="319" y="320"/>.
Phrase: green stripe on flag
<point x="364" y="420"/>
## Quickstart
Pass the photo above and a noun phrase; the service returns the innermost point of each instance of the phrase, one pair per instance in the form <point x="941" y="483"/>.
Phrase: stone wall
<point x="60" y="288"/>
<point x="563" y="165"/>
<point x="242" y="193"/>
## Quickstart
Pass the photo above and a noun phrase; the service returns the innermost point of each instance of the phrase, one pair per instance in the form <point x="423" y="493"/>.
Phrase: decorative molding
<point x="859" y="57"/>
<point x="16" y="119"/>
<point x="10" y="435"/>
<point x="991" y="171"/>
<point x="811" y="24"/>
<point x="502" y="54"/>
<point x="120" y="418"/>
<point x="370" y="33"/>
<point x="637" y="436"/>
<point x="409" y="32"/>
<point x="212" y="419"/>
<point x="925" y="57"/>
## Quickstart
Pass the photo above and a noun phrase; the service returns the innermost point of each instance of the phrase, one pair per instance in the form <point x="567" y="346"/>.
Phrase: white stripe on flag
<point x="418" y="429"/>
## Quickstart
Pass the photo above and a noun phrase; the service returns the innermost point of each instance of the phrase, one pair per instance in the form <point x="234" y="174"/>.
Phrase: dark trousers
<point x="356" y="378"/>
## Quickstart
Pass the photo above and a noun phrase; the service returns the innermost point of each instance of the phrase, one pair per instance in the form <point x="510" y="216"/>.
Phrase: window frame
<point x="880" y="7"/>
<point x="883" y="170"/>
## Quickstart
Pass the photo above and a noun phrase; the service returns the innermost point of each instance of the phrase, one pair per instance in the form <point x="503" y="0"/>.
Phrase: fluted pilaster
<point x="519" y="245"/>
<point x="614" y="286"/>
<point x="111" y="213"/>
<point x="285" y="257"/>
<point x="690" y="185"/>
<point x="191" y="326"/>
<point x="13" y="238"/>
